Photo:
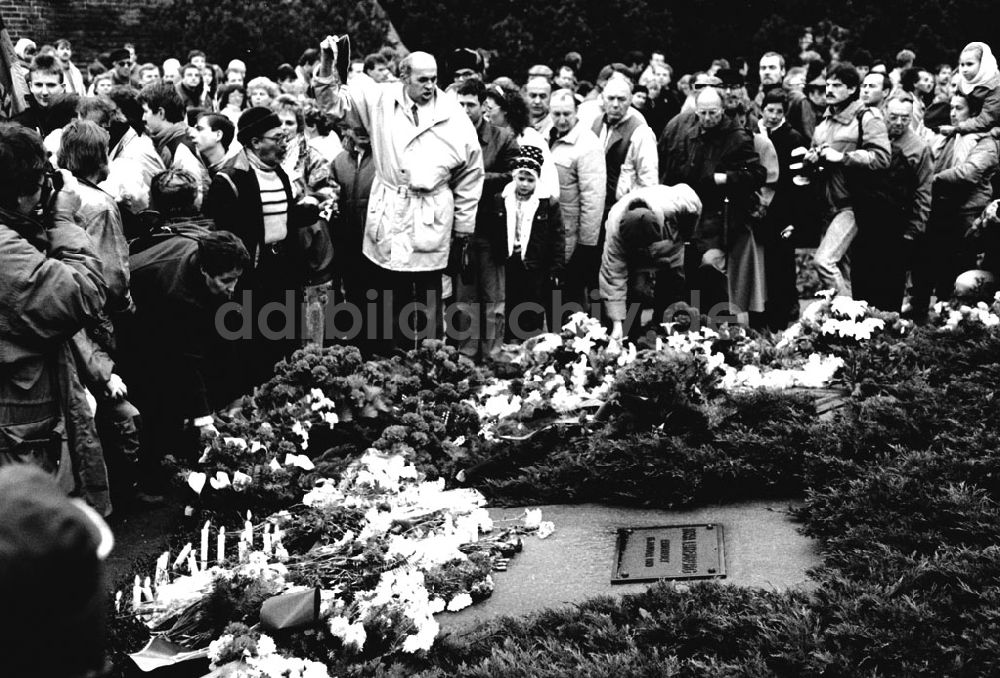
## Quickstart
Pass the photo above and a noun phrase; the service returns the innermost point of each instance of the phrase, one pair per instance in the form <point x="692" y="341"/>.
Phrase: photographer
<point x="51" y="286"/>
<point x="851" y="149"/>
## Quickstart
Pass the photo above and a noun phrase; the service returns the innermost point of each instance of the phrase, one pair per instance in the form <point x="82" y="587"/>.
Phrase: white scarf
<point x="987" y="68"/>
<point x="528" y="209"/>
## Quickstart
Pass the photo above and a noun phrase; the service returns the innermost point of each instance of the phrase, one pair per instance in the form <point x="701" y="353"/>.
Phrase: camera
<point x="803" y="172"/>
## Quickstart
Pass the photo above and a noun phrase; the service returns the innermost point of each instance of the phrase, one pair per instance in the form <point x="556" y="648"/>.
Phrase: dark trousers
<point x="707" y="286"/>
<point x="402" y="308"/>
<point x="782" y="305"/>
<point x="527" y="294"/>
<point x="878" y="271"/>
<point x="942" y="255"/>
<point x="659" y="288"/>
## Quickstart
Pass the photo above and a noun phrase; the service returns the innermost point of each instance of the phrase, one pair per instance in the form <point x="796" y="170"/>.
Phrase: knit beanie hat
<point x="528" y="159"/>
<point x="254" y="122"/>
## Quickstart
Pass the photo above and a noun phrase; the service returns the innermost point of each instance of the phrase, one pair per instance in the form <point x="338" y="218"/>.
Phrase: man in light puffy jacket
<point x="428" y="182"/>
<point x="643" y="262"/>
<point x="579" y="159"/>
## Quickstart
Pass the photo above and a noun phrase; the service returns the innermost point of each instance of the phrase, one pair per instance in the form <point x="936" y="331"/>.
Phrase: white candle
<point x="192" y="564"/>
<point x="147" y="590"/>
<point x="243" y="551"/>
<point x="161" y="568"/>
<point x="248" y="531"/>
<point x="136" y="594"/>
<point x="220" y="555"/>
<point x="267" y="539"/>
<point x="118" y="601"/>
<point x="182" y="556"/>
<point x="204" y="545"/>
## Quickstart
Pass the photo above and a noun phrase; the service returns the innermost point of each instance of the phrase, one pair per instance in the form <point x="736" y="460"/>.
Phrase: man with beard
<point x="883" y="254"/>
<point x="848" y="158"/>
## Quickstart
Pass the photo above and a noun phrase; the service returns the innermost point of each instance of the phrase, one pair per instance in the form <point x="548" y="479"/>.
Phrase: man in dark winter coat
<point x="51" y="286"/>
<point x="173" y="347"/>
<point x="716" y="157"/>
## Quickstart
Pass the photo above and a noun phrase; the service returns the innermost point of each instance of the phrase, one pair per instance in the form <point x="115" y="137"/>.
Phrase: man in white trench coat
<point x="428" y="182"/>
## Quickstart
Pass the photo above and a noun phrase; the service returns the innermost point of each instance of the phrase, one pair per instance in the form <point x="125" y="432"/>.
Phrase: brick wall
<point x="93" y="26"/>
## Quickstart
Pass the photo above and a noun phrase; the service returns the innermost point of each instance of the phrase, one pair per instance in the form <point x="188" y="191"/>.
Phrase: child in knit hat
<point x="531" y="240"/>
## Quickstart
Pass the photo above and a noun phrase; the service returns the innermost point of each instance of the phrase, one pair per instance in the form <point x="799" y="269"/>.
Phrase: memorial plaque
<point x="669" y="552"/>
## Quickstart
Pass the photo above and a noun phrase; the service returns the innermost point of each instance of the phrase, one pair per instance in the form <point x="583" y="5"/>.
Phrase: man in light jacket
<point x="579" y="159"/>
<point x="643" y="262"/>
<point x="428" y="182"/>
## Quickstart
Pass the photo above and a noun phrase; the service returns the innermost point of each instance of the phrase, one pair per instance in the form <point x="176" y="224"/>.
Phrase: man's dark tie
<point x="416" y="118"/>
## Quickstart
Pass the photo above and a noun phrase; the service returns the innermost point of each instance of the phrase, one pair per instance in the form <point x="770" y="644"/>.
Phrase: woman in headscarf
<point x="980" y="83"/>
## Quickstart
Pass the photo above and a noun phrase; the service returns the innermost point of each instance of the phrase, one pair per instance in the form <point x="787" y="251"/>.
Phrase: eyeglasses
<point x="276" y="138"/>
<point x="124" y="62"/>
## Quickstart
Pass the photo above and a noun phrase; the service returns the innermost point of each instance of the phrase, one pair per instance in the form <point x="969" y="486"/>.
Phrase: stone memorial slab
<point x="763" y="548"/>
<point x="645" y="554"/>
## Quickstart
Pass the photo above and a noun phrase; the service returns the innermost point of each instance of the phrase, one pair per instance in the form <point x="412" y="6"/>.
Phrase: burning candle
<point x="147" y="590"/>
<point x="243" y="551"/>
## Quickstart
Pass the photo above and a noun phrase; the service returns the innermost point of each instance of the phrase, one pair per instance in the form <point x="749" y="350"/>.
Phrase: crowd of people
<point x="145" y="207"/>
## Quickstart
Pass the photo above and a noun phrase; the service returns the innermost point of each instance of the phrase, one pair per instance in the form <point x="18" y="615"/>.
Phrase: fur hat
<point x="254" y="122"/>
